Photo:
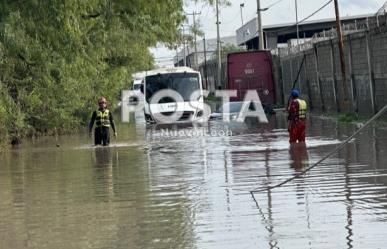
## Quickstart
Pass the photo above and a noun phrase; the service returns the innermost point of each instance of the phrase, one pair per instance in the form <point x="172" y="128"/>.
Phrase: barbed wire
<point x="382" y="10"/>
<point x="348" y="28"/>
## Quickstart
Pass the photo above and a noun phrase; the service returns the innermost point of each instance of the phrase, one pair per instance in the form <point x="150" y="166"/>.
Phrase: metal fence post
<point x="351" y="81"/>
<point x="334" y="81"/>
<point x="318" y="79"/>
<point x="283" y="80"/>
<point x="370" y="74"/>
<point x="291" y="69"/>
<point x="307" y="82"/>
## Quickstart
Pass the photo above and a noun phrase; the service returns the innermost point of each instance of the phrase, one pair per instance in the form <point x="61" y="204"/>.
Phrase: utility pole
<point x="177" y="56"/>
<point x="189" y="62"/>
<point x="341" y="50"/>
<point x="242" y="5"/>
<point x="298" y="31"/>
<point x="194" y="28"/>
<point x="219" y="85"/>
<point x="205" y="61"/>
<point x="184" y="57"/>
<point x="259" y="25"/>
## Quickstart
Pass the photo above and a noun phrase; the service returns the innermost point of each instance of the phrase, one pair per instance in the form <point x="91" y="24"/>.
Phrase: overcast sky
<point x="283" y="11"/>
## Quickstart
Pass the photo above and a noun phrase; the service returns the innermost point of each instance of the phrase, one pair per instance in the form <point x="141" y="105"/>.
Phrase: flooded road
<point x="188" y="187"/>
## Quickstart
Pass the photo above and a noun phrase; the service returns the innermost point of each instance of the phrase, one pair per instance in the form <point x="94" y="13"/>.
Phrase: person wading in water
<point x="296" y="118"/>
<point x="103" y="119"/>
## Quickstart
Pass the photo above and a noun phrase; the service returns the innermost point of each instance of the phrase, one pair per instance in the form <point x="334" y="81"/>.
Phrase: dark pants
<point x="101" y="136"/>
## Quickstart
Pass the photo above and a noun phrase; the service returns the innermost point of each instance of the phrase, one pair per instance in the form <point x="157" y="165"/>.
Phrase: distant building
<point x="247" y="35"/>
<point x="189" y="52"/>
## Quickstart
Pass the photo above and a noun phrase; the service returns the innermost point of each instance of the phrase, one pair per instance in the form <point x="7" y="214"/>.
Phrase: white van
<point x="181" y="80"/>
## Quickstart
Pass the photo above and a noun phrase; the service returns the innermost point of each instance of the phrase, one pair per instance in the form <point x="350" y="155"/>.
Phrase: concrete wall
<point x="321" y="80"/>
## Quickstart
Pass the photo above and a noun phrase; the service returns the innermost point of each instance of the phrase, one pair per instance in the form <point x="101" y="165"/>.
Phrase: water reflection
<point x="298" y="156"/>
<point x="104" y="178"/>
<point x="149" y="190"/>
<point x="103" y="157"/>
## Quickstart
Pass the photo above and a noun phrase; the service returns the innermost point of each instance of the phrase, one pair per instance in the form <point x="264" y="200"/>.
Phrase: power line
<point x="207" y="6"/>
<point x="233" y="19"/>
<point x="268" y="7"/>
<point x="229" y="31"/>
<point x="303" y="20"/>
<point x="208" y="10"/>
<point x="163" y="57"/>
<point x="314" y="13"/>
<point x="275" y="3"/>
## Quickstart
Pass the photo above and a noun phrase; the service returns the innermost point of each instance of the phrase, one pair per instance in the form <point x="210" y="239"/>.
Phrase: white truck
<point x="173" y="95"/>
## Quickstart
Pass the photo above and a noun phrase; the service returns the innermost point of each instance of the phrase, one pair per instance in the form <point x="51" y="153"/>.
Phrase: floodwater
<point x="189" y="187"/>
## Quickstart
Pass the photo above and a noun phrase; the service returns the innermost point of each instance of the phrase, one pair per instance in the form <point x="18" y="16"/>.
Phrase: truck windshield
<point x="183" y="83"/>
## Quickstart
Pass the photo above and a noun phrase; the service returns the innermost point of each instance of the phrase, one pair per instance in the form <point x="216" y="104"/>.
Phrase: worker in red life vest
<point x="104" y="120"/>
<point x="296" y="118"/>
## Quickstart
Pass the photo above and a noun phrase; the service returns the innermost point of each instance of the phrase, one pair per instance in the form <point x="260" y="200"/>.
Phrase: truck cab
<point x="168" y="95"/>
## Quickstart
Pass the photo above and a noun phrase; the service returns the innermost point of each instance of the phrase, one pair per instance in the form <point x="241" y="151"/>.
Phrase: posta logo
<point x="171" y="112"/>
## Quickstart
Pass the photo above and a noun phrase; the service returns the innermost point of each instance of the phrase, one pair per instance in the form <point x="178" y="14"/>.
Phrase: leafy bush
<point x="348" y="117"/>
<point x="57" y="57"/>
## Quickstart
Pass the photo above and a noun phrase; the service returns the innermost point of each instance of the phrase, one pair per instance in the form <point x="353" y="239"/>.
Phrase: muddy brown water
<point x="188" y="187"/>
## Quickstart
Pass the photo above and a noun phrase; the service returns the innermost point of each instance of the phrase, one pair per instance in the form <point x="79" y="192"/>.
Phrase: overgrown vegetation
<point x="349" y="117"/>
<point x="225" y="50"/>
<point x="57" y="57"/>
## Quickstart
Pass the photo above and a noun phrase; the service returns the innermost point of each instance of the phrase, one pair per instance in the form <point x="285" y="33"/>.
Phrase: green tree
<point x="225" y="50"/>
<point x="57" y="57"/>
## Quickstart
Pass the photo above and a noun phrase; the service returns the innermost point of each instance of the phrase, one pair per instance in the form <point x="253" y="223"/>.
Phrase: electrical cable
<point x="296" y="79"/>
<point x="314" y="13"/>
<point x="275" y="3"/>
<point x="232" y="20"/>
<point x="338" y="148"/>
<point x="164" y="57"/>
<point x="303" y="20"/>
<point x="207" y="12"/>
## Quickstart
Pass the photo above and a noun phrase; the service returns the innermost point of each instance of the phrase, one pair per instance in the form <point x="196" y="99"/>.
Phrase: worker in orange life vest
<point x="296" y="118"/>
